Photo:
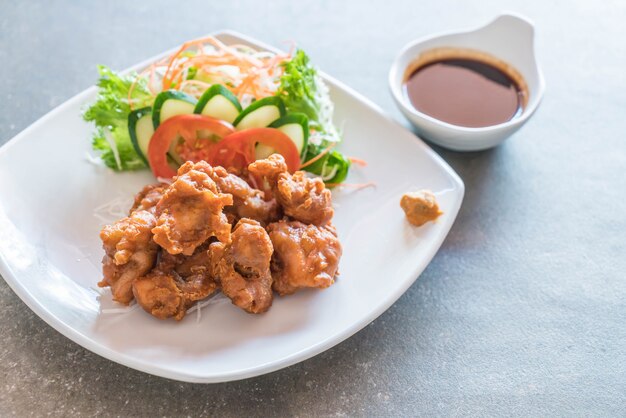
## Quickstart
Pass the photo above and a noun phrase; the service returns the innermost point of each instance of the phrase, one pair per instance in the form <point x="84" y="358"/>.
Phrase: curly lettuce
<point x="110" y="115"/>
<point x="303" y="90"/>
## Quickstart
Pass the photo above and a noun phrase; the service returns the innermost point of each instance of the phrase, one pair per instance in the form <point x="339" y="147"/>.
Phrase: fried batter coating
<point x="196" y="280"/>
<point x="130" y="253"/>
<point x="159" y="295"/>
<point x="243" y="267"/>
<point x="175" y="284"/>
<point x="248" y="202"/>
<point x="304" y="199"/>
<point x="304" y="255"/>
<point x="269" y="168"/>
<point x="148" y="197"/>
<point x="190" y="211"/>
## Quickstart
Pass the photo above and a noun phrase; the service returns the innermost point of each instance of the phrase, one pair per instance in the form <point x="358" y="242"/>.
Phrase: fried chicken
<point x="159" y="295"/>
<point x="175" y="284"/>
<point x="191" y="211"/>
<point x="176" y="247"/>
<point x="302" y="198"/>
<point x="130" y="253"/>
<point x="247" y="201"/>
<point x="304" y="255"/>
<point x="148" y="197"/>
<point x="269" y="168"/>
<point x="196" y="280"/>
<point x="243" y="267"/>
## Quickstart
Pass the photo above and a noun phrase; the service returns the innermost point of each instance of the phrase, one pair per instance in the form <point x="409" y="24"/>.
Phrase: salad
<point x="227" y="105"/>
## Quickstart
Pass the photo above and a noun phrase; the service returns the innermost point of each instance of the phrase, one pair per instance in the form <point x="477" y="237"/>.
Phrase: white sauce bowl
<point x="509" y="38"/>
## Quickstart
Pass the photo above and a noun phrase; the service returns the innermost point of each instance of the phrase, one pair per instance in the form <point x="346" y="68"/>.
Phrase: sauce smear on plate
<point x="464" y="91"/>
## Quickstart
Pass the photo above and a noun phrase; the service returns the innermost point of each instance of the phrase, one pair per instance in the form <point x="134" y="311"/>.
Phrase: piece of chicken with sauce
<point x="302" y="198"/>
<point x="248" y="202"/>
<point x="175" y="284"/>
<point x="191" y="211"/>
<point x="243" y="266"/>
<point x="130" y="253"/>
<point x="304" y="256"/>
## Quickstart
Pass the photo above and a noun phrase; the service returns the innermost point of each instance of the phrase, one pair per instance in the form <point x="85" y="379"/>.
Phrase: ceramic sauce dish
<point x="507" y="43"/>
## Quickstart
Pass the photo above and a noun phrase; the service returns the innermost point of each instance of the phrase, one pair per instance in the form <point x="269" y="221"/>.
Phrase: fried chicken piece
<point x="304" y="256"/>
<point x="191" y="211"/>
<point x="302" y="198"/>
<point x="269" y="168"/>
<point x="175" y="284"/>
<point x="196" y="280"/>
<point x="248" y="202"/>
<point x="243" y="267"/>
<point x="148" y="197"/>
<point x="158" y="294"/>
<point x="130" y="253"/>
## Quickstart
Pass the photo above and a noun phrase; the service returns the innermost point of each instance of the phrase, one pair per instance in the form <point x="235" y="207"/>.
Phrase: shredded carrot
<point x="241" y="89"/>
<point x="167" y="82"/>
<point x="318" y="156"/>
<point x="251" y="67"/>
<point x="358" y="161"/>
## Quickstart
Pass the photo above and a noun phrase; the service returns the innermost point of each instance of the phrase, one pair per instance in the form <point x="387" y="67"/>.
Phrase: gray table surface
<point x="523" y="310"/>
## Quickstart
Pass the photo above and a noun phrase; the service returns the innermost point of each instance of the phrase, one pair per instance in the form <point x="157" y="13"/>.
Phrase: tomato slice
<point x="237" y="149"/>
<point x="197" y="135"/>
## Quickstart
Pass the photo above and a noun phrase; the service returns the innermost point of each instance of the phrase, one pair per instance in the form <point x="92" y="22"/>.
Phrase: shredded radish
<point x="106" y="298"/>
<point x="113" y="210"/>
<point x="219" y="298"/>
<point x="120" y="310"/>
<point x="354" y="186"/>
<point x="93" y="160"/>
<point x="109" y="137"/>
<point x="203" y="62"/>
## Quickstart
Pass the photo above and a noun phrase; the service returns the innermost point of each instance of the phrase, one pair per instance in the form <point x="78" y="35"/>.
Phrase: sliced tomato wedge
<point x="237" y="149"/>
<point x="191" y="136"/>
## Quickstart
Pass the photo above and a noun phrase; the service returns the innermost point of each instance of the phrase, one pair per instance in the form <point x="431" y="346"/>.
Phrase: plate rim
<point x="147" y="367"/>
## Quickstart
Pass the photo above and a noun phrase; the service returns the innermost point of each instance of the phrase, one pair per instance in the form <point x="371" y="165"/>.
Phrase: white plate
<point x="50" y="252"/>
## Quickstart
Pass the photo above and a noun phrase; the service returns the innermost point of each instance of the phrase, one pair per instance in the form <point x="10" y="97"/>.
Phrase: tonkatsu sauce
<point x="466" y="90"/>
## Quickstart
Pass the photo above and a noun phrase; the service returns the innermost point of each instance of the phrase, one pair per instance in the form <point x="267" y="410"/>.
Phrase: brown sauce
<point x="465" y="88"/>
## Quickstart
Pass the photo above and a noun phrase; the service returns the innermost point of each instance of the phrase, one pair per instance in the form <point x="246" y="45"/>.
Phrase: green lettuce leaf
<point x="303" y="90"/>
<point x="110" y="115"/>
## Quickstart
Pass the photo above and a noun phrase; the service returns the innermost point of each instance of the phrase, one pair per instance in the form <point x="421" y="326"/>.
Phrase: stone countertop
<point x="521" y="313"/>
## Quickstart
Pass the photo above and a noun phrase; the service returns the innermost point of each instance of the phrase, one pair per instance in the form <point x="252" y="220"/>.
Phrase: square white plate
<point x="51" y="212"/>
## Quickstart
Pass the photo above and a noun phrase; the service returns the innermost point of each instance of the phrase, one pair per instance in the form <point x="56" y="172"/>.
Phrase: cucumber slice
<point x="260" y="113"/>
<point x="171" y="103"/>
<point x="173" y="154"/>
<point x="141" y="129"/>
<point x="296" y="127"/>
<point x="218" y="102"/>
